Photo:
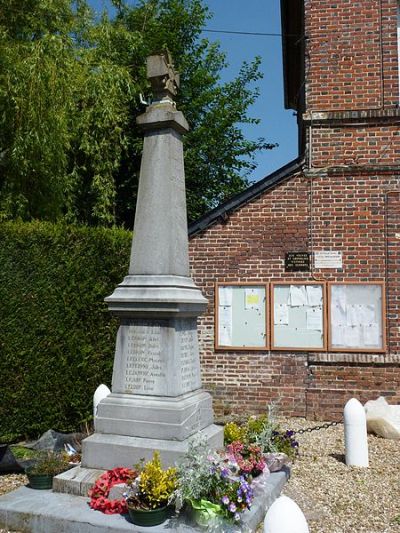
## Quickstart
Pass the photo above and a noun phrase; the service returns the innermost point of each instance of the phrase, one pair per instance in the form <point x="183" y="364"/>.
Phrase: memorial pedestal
<point x="156" y="401"/>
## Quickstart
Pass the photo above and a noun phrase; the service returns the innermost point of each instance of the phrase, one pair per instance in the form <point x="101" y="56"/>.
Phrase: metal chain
<point x="317" y="428"/>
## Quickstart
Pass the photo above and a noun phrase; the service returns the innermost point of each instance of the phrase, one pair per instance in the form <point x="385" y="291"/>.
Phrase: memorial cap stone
<point x="163" y="78"/>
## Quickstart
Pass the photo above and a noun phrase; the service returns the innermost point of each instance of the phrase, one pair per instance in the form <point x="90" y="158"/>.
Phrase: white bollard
<point x="101" y="392"/>
<point x="285" y="516"/>
<point x="355" y="434"/>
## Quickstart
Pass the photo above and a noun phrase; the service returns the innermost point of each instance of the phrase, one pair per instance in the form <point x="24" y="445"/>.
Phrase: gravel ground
<point x="340" y="499"/>
<point x="334" y="497"/>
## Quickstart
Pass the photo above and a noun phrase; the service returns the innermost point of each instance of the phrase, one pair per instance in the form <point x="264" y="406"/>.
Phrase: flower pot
<point x="205" y="513"/>
<point x="150" y="517"/>
<point x="40" y="481"/>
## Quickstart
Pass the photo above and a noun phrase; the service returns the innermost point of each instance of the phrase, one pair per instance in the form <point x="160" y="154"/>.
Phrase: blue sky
<point x="277" y="124"/>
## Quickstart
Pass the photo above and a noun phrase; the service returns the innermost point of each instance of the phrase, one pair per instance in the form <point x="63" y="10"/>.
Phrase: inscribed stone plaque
<point x="189" y="367"/>
<point x="145" y="365"/>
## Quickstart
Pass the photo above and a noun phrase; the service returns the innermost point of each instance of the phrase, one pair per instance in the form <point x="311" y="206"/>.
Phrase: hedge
<point x="57" y="336"/>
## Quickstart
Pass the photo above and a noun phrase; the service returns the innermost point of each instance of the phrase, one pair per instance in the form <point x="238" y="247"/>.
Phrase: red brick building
<point x="341" y="198"/>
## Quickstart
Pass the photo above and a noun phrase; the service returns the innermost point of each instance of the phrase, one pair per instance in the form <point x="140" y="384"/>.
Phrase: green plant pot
<point x="40" y="481"/>
<point x="151" y="517"/>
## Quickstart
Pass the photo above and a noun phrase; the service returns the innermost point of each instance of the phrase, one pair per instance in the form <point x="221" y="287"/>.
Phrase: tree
<point x="69" y="96"/>
<point x="64" y="111"/>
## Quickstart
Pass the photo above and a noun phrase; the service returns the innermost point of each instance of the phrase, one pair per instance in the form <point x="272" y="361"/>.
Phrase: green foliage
<point x="22" y="453"/>
<point x="69" y="96"/>
<point x="284" y="442"/>
<point x="396" y="520"/>
<point x="194" y="473"/>
<point x="261" y="431"/>
<point x="248" y="430"/>
<point x="154" y="487"/>
<point x="233" y="432"/>
<point x="57" y="337"/>
<point x="64" y="104"/>
<point x="49" y="463"/>
<point x="255" y="425"/>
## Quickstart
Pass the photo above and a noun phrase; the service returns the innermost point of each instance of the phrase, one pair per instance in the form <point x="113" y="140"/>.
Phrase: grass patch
<point x="22" y="453"/>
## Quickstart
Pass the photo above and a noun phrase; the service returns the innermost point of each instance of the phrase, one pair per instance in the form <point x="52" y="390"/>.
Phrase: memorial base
<point x="155" y="417"/>
<point x="106" y="451"/>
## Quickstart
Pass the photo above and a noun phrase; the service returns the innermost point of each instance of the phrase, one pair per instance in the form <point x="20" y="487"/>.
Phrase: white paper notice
<point x="225" y="326"/>
<point x="352" y="337"/>
<point x="298" y="295"/>
<point x="353" y="315"/>
<point x="253" y="298"/>
<point x="314" y="319"/>
<point x="225" y="336"/>
<point x="339" y="295"/>
<point x="338" y="306"/>
<point x="367" y="314"/>
<point x="281" y="315"/>
<point x="338" y="315"/>
<point x="225" y="296"/>
<point x="371" y="335"/>
<point x="337" y="336"/>
<point x="314" y="295"/>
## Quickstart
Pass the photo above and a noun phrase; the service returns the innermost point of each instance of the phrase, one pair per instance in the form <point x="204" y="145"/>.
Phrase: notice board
<point x="356" y="312"/>
<point x="298" y="317"/>
<point x="241" y="316"/>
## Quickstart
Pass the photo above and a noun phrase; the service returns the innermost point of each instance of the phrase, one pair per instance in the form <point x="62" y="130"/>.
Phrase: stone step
<point x="43" y="511"/>
<point x="77" y="480"/>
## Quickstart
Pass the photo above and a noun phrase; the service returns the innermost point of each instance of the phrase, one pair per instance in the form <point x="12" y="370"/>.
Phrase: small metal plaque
<point x="328" y="259"/>
<point x="297" y="262"/>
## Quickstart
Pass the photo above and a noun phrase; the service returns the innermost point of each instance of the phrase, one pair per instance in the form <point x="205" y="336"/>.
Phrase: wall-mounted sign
<point x="328" y="259"/>
<point x="297" y="262"/>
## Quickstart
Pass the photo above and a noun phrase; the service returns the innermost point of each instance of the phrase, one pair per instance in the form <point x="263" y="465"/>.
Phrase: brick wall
<point x="347" y="144"/>
<point x="346" y="213"/>
<point x="351" y="54"/>
<point x="344" y="199"/>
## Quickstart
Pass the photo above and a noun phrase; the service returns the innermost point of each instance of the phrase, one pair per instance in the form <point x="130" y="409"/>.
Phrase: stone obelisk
<point x="156" y="402"/>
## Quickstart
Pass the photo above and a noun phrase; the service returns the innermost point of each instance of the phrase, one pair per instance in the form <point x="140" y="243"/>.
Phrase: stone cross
<point x="162" y="76"/>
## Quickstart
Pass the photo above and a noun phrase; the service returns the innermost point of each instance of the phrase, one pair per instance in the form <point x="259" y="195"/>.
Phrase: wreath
<point x="98" y="494"/>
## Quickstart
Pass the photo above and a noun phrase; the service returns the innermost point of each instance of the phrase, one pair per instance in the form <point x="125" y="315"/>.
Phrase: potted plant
<point x="213" y="485"/>
<point x="150" y="493"/>
<point x="42" y="471"/>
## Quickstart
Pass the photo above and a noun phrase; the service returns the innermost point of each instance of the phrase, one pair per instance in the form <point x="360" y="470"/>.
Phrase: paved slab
<point x="42" y="511"/>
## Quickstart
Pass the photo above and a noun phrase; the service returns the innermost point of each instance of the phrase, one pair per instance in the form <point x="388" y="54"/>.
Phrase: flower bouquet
<point x="262" y="433"/>
<point x="150" y="493"/>
<point x="248" y="457"/>
<point x="214" y="485"/>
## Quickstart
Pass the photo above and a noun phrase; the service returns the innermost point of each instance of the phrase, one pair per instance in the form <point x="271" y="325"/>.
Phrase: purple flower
<point x="225" y="500"/>
<point x="224" y="473"/>
<point x="236" y="517"/>
<point x="232" y="507"/>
